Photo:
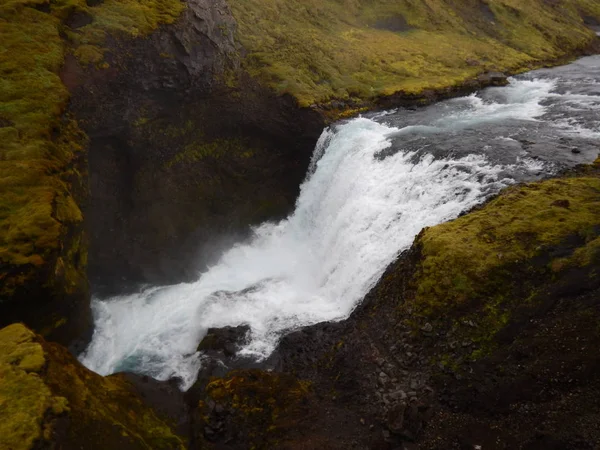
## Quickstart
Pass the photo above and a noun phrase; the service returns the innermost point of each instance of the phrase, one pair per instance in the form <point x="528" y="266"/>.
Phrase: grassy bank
<point x="509" y="258"/>
<point x="318" y="51"/>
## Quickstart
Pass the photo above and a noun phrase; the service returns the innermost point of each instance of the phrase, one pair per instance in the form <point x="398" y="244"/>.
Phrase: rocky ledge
<point x="165" y="128"/>
<point x="499" y="354"/>
<point x="48" y="400"/>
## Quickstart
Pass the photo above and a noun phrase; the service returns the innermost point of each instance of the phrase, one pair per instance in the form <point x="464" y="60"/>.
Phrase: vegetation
<point x="507" y="255"/>
<point x="339" y="49"/>
<point x="45" y="388"/>
<point x="38" y="147"/>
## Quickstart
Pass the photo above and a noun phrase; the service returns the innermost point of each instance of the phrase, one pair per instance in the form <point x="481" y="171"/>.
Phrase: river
<point x="374" y="182"/>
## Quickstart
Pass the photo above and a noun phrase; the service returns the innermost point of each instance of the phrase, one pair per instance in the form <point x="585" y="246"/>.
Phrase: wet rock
<point x="227" y="340"/>
<point x="575" y="150"/>
<point x="427" y="328"/>
<point x="493" y="79"/>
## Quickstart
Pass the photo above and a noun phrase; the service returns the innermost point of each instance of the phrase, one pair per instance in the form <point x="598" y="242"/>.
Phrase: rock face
<point x="193" y="124"/>
<point x="253" y="409"/>
<point x="48" y="400"/>
<point x="186" y="150"/>
<point x="462" y="344"/>
<point x="43" y="247"/>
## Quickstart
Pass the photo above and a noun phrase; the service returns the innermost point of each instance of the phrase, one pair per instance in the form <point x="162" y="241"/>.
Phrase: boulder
<point x="226" y="340"/>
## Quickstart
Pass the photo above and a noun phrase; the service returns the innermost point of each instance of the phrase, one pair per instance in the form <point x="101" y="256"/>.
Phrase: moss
<point x="522" y="222"/>
<point x="18" y="349"/>
<point x="123" y="17"/>
<point x="200" y="149"/>
<point x="263" y="405"/>
<point x="42" y="384"/>
<point x="498" y="260"/>
<point x="319" y="50"/>
<point x="25" y="401"/>
<point x="38" y="147"/>
<point x="583" y="256"/>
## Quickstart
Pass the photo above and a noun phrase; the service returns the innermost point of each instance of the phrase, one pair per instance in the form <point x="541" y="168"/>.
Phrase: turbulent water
<point x="373" y="184"/>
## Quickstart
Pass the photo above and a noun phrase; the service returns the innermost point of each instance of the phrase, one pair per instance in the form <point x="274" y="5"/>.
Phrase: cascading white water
<point x="357" y="209"/>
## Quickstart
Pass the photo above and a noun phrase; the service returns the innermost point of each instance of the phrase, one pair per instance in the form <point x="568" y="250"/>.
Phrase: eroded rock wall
<point x="186" y="149"/>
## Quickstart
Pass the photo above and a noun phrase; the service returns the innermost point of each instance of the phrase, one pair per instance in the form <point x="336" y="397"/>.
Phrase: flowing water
<point x="373" y="184"/>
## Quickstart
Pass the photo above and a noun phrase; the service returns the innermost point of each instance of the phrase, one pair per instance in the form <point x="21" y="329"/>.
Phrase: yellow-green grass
<point x="318" y="50"/>
<point x="488" y="264"/>
<point x="43" y="384"/>
<point x="460" y="256"/>
<point x="37" y="145"/>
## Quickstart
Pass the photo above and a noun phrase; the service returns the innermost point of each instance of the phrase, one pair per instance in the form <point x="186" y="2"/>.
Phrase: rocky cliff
<point x="137" y="138"/>
<point x="164" y="129"/>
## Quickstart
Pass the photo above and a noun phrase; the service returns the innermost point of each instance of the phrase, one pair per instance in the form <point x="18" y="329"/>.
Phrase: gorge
<point x="371" y="188"/>
<point x="299" y="224"/>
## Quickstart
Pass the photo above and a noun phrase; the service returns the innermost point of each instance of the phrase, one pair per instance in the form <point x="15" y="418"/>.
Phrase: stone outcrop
<point x="49" y="400"/>
<point x="186" y="150"/>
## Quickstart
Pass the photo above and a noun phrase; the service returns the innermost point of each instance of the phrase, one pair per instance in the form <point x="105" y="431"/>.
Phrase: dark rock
<point x="575" y="150"/>
<point x="493" y="79"/>
<point x="395" y="23"/>
<point x="182" y="92"/>
<point x="6" y="123"/>
<point x="78" y="19"/>
<point x="226" y="340"/>
<point x="395" y="419"/>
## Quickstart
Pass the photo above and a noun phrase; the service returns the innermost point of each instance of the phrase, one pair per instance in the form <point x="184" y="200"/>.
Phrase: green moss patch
<point x="321" y="50"/>
<point x="45" y="388"/>
<point x="38" y="147"/>
<point x="508" y="257"/>
<point x="25" y="401"/>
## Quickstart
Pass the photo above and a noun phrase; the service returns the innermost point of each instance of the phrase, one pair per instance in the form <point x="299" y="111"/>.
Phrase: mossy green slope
<point x="39" y="148"/>
<point x="48" y="399"/>
<point x="510" y="255"/>
<point x="319" y="50"/>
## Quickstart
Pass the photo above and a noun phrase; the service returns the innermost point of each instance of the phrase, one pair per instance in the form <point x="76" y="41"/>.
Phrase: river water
<point x="373" y="184"/>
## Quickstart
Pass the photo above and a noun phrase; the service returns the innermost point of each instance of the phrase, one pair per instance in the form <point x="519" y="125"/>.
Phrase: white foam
<point x="355" y="213"/>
